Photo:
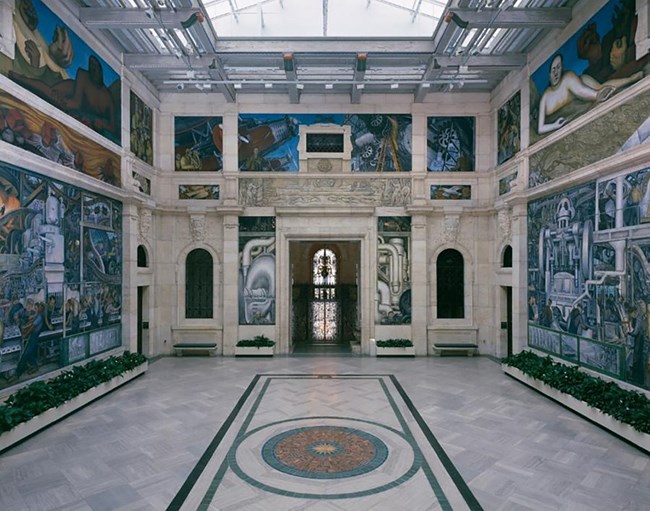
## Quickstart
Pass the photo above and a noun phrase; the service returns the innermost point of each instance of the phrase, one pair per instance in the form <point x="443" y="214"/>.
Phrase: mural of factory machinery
<point x="393" y="301"/>
<point x="380" y="142"/>
<point x="589" y="276"/>
<point x="257" y="271"/>
<point x="60" y="277"/>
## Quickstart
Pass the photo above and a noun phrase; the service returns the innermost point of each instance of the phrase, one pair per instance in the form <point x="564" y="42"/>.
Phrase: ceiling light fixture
<point x="300" y="86"/>
<point x="394" y="85"/>
<point x="237" y="85"/>
<point x="329" y="85"/>
<point x="268" y="85"/>
<point x="361" y="86"/>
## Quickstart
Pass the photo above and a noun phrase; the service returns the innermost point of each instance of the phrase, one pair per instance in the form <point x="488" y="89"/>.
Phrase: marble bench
<point x="467" y="348"/>
<point x="208" y="347"/>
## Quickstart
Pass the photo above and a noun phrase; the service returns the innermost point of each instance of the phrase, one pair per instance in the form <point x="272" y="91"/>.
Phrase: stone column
<point x="230" y="275"/>
<point x="419" y="282"/>
<point x="519" y="226"/>
<point x="130" y="228"/>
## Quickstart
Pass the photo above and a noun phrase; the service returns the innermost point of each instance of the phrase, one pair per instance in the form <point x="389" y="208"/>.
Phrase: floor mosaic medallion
<point x="353" y="440"/>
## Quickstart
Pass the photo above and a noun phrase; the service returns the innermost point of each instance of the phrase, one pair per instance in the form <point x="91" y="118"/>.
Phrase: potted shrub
<point x="259" y="346"/>
<point x="626" y="413"/>
<point x="395" y="348"/>
<point x="41" y="403"/>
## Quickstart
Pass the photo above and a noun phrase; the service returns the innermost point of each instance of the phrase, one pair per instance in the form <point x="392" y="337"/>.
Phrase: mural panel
<point x="625" y="127"/>
<point x="507" y="183"/>
<point x="588" y="290"/>
<point x="198" y="192"/>
<point x="451" y="144"/>
<point x="451" y="192"/>
<point x="596" y="62"/>
<point x="141" y="183"/>
<point x="393" y="301"/>
<point x="27" y="128"/>
<point x="141" y="130"/>
<point x="198" y="143"/>
<point x="60" y="273"/>
<point x="257" y="270"/>
<point x="54" y="63"/>
<point x="508" y="129"/>
<point x="380" y="142"/>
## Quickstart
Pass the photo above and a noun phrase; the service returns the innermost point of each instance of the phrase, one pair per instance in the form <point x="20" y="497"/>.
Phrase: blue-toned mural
<point x="393" y="299"/>
<point x="57" y="65"/>
<point x="60" y="277"/>
<point x="451" y="144"/>
<point x="198" y="143"/>
<point x="451" y="192"/>
<point x="380" y="142"/>
<point x="257" y="270"/>
<point x="596" y="62"/>
<point x="508" y="129"/>
<point x="589" y="290"/>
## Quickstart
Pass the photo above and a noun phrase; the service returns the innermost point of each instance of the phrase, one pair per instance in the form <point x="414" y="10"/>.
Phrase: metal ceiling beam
<point x="292" y="77"/>
<point x="492" y="62"/>
<point x="130" y="18"/>
<point x="557" y="17"/>
<point x="217" y="72"/>
<point x="322" y="45"/>
<point x="359" y="73"/>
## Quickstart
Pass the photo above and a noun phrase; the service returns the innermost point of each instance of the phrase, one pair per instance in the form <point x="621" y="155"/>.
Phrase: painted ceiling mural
<point x="60" y="277"/>
<point x="380" y="142"/>
<point x="54" y="63"/>
<point x="595" y="63"/>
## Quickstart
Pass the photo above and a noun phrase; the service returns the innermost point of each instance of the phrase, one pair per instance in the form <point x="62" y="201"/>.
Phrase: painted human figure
<point x="565" y="86"/>
<point x="31" y="333"/>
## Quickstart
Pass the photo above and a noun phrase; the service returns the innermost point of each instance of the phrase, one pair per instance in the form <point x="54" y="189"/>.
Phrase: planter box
<point x="254" y="351"/>
<point x="625" y="431"/>
<point x="396" y="352"/>
<point x="35" y="424"/>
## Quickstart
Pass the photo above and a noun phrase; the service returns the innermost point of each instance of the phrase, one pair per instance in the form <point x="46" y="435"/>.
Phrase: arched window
<point x="142" y="257"/>
<point x="507" y="257"/>
<point x="198" y="284"/>
<point x="450" y="284"/>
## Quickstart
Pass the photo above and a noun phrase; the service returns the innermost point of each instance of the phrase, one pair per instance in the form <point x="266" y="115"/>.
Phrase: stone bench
<point x="468" y="348"/>
<point x="208" y="347"/>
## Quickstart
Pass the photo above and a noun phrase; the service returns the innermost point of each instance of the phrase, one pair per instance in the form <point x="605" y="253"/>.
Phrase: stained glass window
<point x="325" y="308"/>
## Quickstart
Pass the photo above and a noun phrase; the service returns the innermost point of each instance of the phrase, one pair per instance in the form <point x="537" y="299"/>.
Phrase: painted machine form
<point x="393" y="299"/>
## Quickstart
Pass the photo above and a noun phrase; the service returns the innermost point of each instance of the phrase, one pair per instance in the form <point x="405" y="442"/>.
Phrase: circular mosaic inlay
<point x="325" y="452"/>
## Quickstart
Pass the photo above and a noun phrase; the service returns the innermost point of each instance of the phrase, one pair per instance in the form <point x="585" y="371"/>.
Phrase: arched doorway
<point x="324" y="314"/>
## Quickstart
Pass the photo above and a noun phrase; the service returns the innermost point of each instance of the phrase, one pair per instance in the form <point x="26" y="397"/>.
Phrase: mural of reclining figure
<point x="567" y="86"/>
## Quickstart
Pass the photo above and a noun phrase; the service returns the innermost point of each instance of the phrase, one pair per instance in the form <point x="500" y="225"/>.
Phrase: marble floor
<point x="266" y="434"/>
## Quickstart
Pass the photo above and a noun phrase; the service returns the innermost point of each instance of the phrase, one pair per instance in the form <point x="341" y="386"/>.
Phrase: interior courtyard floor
<point x="138" y="447"/>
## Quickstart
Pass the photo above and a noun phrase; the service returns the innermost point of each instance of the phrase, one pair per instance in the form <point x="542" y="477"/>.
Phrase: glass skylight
<point x="325" y="18"/>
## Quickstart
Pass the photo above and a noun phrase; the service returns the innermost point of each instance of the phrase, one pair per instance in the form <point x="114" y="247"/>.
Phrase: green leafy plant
<point x="394" y="343"/>
<point x="627" y="406"/>
<point x="37" y="397"/>
<point x="259" y="341"/>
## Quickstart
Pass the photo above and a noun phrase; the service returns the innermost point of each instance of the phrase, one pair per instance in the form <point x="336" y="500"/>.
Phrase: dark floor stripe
<point x="464" y="490"/>
<point x="191" y="480"/>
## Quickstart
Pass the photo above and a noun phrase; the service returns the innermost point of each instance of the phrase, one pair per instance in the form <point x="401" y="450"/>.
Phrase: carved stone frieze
<point x="324" y="192"/>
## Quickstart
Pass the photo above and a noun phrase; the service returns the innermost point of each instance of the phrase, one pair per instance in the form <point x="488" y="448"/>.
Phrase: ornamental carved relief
<point x="451" y="228"/>
<point x="145" y="224"/>
<point x="504" y="223"/>
<point x="197" y="227"/>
